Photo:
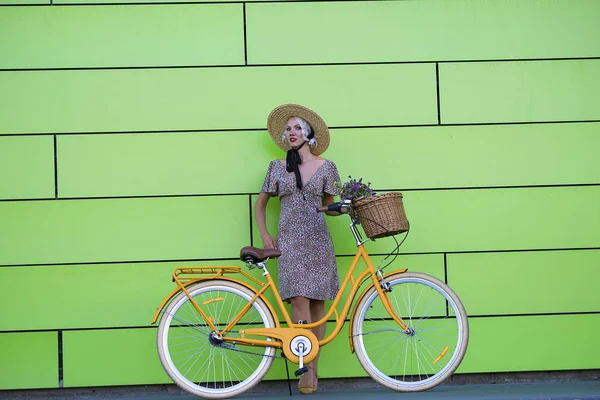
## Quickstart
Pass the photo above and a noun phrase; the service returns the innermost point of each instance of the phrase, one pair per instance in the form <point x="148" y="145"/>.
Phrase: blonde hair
<point x="306" y="132"/>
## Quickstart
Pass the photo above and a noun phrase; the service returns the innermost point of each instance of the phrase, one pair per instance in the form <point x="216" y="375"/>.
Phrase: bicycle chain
<point x="232" y="347"/>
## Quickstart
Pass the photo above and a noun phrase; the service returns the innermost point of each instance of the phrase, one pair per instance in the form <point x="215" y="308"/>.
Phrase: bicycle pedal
<point x="301" y="371"/>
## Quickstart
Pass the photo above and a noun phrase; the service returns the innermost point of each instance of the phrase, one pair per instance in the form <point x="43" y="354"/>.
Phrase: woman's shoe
<point x="309" y="387"/>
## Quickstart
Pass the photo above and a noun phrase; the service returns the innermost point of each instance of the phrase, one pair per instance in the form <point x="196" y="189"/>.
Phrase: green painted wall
<point x="133" y="140"/>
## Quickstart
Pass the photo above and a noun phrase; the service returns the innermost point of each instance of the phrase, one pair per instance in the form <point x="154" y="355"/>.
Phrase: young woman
<point x="303" y="181"/>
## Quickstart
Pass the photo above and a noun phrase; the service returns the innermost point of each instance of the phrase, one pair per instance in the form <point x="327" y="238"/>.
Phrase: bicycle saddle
<point x="256" y="255"/>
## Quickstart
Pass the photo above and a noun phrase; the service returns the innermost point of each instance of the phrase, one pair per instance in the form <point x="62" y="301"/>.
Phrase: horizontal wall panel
<point x="493" y="219"/>
<point x="117" y="357"/>
<point x="531" y="91"/>
<point x="89" y="296"/>
<point x="26" y="167"/>
<point x="535" y="348"/>
<point x="366" y="31"/>
<point x="43" y="232"/>
<point x="537" y="343"/>
<point x="129" y="357"/>
<point x="159" y="164"/>
<point x="469" y="156"/>
<point x="344" y="243"/>
<point x="527" y="282"/>
<point x="23" y="2"/>
<point x="101" y="296"/>
<point x="29" y="360"/>
<point x="450" y="156"/>
<point x="123" y="36"/>
<point x="213" y="98"/>
<point x="147" y="1"/>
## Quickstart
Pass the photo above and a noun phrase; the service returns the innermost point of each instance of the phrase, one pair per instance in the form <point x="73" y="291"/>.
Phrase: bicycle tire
<point x="193" y="360"/>
<point x="421" y="360"/>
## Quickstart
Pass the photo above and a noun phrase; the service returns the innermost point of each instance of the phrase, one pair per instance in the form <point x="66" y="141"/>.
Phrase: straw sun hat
<point x="278" y="120"/>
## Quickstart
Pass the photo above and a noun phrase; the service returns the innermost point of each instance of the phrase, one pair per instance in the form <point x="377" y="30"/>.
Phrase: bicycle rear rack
<point x="185" y="276"/>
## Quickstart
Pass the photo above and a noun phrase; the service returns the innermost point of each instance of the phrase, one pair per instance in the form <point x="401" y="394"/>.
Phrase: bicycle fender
<point x="176" y="291"/>
<point x="399" y="271"/>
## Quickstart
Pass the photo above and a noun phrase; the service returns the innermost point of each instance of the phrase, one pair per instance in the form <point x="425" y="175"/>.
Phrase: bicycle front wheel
<point x="197" y="361"/>
<point x="434" y="345"/>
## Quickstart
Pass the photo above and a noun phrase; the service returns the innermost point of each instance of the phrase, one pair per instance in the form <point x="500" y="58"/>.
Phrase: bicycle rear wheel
<point x="433" y="348"/>
<point x="197" y="362"/>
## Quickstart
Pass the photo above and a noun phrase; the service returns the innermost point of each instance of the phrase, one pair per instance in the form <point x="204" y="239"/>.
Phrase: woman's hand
<point x="268" y="241"/>
<point x="327" y="200"/>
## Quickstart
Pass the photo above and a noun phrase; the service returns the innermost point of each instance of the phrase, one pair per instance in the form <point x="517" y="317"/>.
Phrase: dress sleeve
<point x="331" y="177"/>
<point x="270" y="185"/>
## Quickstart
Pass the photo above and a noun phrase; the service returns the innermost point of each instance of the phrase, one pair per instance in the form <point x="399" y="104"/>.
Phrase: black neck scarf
<point x="291" y="164"/>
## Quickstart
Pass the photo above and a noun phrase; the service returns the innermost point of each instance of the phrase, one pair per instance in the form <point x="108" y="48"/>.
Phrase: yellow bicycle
<point x="218" y="334"/>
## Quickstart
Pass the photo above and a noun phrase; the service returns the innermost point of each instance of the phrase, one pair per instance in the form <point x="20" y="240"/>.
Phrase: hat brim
<point x="279" y="117"/>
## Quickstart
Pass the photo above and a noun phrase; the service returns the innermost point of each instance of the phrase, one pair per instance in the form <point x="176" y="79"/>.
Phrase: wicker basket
<point x="381" y="215"/>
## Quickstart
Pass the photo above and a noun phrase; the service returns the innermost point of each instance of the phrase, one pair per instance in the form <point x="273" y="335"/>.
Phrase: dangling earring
<point x="284" y="139"/>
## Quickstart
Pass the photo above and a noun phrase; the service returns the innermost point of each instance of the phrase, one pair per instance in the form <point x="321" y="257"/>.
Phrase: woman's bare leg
<point x="317" y="311"/>
<point x="302" y="311"/>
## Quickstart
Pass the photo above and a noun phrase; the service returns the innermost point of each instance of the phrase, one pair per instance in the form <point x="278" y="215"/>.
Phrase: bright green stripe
<point x="520" y="91"/>
<point x="117" y="357"/>
<point x="213" y="98"/>
<point x="121" y="36"/>
<point x="370" y="31"/>
<point x="532" y="343"/>
<point x="26" y="167"/>
<point x="155" y="164"/>
<point x="23" y="2"/>
<point x="71" y="303"/>
<point x="148" y="1"/>
<point x="123" y="229"/>
<point x="29" y="360"/>
<point x="469" y="156"/>
<point x="135" y="350"/>
<point x="129" y="165"/>
<point x="494" y="219"/>
<point x="526" y="283"/>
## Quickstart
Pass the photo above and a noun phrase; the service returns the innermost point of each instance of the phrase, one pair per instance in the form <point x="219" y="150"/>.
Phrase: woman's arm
<point x="261" y="218"/>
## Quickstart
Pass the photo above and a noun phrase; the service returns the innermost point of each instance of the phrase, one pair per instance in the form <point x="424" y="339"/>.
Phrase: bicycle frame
<point x="286" y="334"/>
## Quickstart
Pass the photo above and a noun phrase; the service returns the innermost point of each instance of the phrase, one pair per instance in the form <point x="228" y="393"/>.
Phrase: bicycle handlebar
<point x="336" y="207"/>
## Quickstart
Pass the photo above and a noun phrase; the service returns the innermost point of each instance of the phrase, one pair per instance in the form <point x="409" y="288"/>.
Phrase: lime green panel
<point x="89" y="296"/>
<point x="156" y="164"/>
<point x="368" y="31"/>
<point x="540" y="343"/>
<point x="148" y="1"/>
<point x="493" y="219"/>
<point x="470" y="156"/>
<point x="26" y="167"/>
<point x="432" y="264"/>
<point x="520" y="91"/>
<point x="131" y="165"/>
<point x="122" y="36"/>
<point x="24" y="2"/>
<point x="123" y="229"/>
<point x="523" y="283"/>
<point x="213" y="98"/>
<point x="29" y="360"/>
<point x="93" y="296"/>
<point x="111" y="358"/>
<point x="345" y="248"/>
<point x="100" y="296"/>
